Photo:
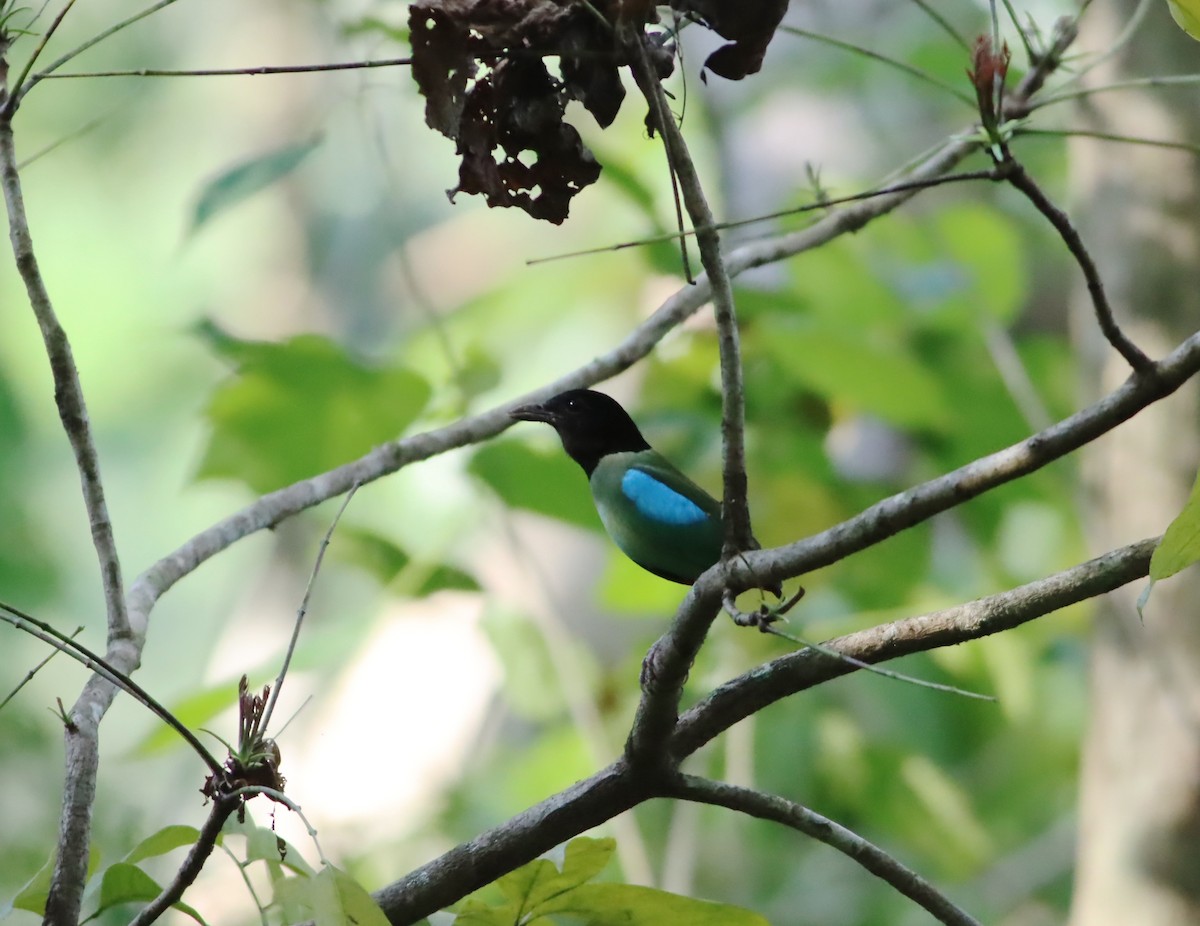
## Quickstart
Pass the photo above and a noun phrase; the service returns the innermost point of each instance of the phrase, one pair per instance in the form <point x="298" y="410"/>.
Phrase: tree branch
<point x="19" y="93"/>
<point x="810" y="823"/>
<point x="236" y="72"/>
<point x="485" y="858"/>
<point x="671" y="657"/>
<point x="806" y="668"/>
<point x="1014" y="172"/>
<point x="82" y="733"/>
<point x="10" y="104"/>
<point x="617" y="788"/>
<point x="738" y="533"/>
<point x="61" y="642"/>
<point x="610" y="791"/>
<point x="911" y="507"/>
<point x="68" y="393"/>
<point x="202" y="848"/>
<point x="277" y="506"/>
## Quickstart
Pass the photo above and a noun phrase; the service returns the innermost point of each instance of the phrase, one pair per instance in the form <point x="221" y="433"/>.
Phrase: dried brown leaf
<point x="748" y="24"/>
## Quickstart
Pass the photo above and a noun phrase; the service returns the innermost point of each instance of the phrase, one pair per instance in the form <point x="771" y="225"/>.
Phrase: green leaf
<point x="477" y="913"/>
<point x="445" y="577"/>
<point x="585" y="858"/>
<point x="32" y="896"/>
<point x="164" y="841"/>
<point x="632" y="905"/>
<point x="841" y="364"/>
<point x="374" y="26"/>
<point x="339" y="900"/>
<point x="387" y="561"/>
<point x="125" y="883"/>
<point x="986" y="243"/>
<point x="190" y="911"/>
<point x="839" y="284"/>
<point x="538" y="888"/>
<point x="533" y="879"/>
<point x="193" y="711"/>
<point x="1180" y="545"/>
<point x="246" y="178"/>
<point x="265" y="845"/>
<point x="1186" y="14"/>
<point x="293" y="898"/>
<point x="303" y="407"/>
<point x="547" y="482"/>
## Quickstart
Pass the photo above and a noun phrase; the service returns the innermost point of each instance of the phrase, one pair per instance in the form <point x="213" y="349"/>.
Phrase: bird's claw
<point x="764" y="615"/>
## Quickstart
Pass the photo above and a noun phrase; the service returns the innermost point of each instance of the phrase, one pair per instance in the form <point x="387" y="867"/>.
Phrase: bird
<point x="655" y="514"/>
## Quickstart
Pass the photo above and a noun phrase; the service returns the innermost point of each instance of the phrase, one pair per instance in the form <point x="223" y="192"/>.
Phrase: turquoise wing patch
<point x="658" y="501"/>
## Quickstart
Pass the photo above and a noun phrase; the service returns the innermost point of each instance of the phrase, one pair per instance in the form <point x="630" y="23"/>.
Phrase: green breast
<point x="675" y="547"/>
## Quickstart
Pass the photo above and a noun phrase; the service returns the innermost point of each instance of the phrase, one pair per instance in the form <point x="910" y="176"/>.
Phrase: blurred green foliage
<point x="541" y="890"/>
<point x="345" y="304"/>
<point x="301" y="407"/>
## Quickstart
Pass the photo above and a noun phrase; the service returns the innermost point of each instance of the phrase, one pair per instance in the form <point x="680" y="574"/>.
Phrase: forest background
<point x="262" y="279"/>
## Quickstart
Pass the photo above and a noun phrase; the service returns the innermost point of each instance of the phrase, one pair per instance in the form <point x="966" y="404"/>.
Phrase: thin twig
<point x="123" y="651"/>
<point x="303" y="609"/>
<point x="738" y="534"/>
<point x="36" y="669"/>
<point x="667" y="664"/>
<point x="1014" y="172"/>
<point x="279" y="797"/>
<point x="470" y="866"/>
<point x="1166" y="80"/>
<point x="943" y="23"/>
<point x="68" y="392"/>
<point x="10" y="104"/>
<point x="822" y="206"/>
<point x="661" y="115"/>
<point x="875" y="670"/>
<point x="1030" y="54"/>
<point x="1015" y="376"/>
<point x="287" y="723"/>
<point x="80" y="49"/>
<point x="237" y="72"/>
<point x="794" y="672"/>
<point x="1126" y="36"/>
<point x="883" y="59"/>
<point x="1018" y="104"/>
<point x="62" y="140"/>
<point x="810" y="823"/>
<point x="101" y="666"/>
<point x="262" y="910"/>
<point x="1189" y="147"/>
<point x="201" y="850"/>
<point x="277" y="506"/>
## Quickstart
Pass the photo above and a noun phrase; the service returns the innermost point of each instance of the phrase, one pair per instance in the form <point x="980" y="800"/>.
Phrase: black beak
<point x="533" y="413"/>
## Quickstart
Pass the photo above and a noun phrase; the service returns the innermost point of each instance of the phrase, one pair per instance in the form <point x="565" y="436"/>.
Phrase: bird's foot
<point x="764" y="615"/>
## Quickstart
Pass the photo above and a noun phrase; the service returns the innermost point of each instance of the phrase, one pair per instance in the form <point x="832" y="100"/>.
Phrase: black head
<point x="591" y="425"/>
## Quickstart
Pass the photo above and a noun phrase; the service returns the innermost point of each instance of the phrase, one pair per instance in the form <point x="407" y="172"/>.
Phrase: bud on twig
<point x="989" y="70"/>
